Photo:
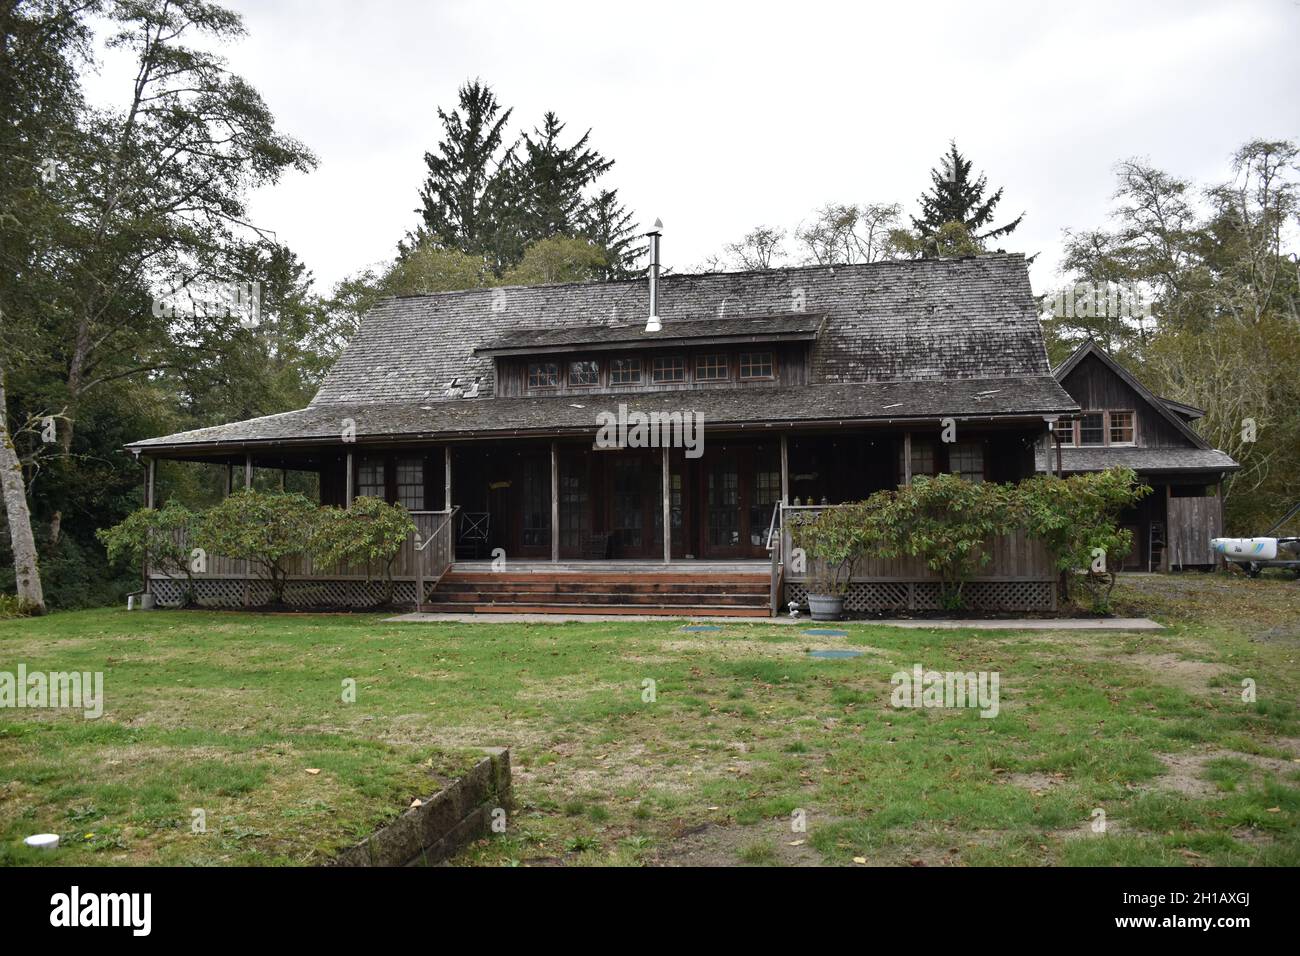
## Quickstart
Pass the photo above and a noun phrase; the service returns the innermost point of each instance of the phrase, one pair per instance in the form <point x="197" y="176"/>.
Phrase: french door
<point x="739" y="488"/>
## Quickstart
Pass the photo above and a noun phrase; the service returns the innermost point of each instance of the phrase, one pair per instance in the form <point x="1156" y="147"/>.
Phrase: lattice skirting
<point x="229" y="592"/>
<point x="873" y="596"/>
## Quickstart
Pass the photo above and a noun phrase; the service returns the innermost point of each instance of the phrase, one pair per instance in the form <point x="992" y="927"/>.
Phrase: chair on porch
<point x="474" y="531"/>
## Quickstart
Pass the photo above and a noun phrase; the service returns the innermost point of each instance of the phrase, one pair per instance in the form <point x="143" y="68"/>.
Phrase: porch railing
<point x="775" y="550"/>
<point x="438" y="551"/>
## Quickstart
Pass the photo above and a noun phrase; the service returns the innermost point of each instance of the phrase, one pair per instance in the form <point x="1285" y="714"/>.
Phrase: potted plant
<point x="833" y="541"/>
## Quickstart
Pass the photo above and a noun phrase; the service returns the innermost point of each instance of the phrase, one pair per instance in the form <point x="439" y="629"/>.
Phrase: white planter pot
<point x="826" y="607"/>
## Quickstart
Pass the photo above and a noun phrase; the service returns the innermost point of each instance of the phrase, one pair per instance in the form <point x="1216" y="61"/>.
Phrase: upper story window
<point x="543" y="374"/>
<point x="585" y="372"/>
<point x="669" y="369"/>
<point x="1092" y="429"/>
<point x="923" y="462"/>
<point x="1121" y="428"/>
<point x="1095" y="429"/>
<point x="711" y="368"/>
<point x="625" y="371"/>
<point x="756" y="365"/>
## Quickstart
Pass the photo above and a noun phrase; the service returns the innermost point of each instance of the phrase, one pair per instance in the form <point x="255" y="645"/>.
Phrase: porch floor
<point x="758" y="566"/>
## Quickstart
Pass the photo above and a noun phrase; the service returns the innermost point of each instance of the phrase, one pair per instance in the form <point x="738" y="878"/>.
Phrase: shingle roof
<point x="766" y="328"/>
<point x="924" y="320"/>
<point x="735" y="407"/>
<point x="1139" y="459"/>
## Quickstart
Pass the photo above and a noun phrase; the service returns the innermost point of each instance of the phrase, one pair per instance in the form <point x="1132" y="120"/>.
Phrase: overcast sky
<point x="724" y="116"/>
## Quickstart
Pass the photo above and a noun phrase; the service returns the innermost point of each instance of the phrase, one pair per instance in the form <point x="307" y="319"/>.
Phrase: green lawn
<point x="228" y="712"/>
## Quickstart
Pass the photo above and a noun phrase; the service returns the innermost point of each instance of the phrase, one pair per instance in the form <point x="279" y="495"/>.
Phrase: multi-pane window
<point x="1121" y="428"/>
<point x="966" y="460"/>
<point x="755" y="364"/>
<point x="410" y="483"/>
<point x="669" y="369"/>
<point x="1092" y="430"/>
<point x="543" y="374"/>
<point x="710" y="368"/>
<point x="370" y="478"/>
<point x="584" y="372"/>
<point x="922" y="459"/>
<point x="625" y="371"/>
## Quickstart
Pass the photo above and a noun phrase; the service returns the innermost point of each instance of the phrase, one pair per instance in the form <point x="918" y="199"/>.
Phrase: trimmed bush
<point x="370" y="532"/>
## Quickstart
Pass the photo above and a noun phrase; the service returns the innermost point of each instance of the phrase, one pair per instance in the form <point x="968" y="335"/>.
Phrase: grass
<point x="226" y="714"/>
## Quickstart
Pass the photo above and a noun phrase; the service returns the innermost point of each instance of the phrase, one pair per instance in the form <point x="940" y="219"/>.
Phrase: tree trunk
<point x="26" y="569"/>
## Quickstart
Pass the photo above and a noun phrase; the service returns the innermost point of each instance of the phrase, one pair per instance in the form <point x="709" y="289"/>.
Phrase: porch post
<point x="785" y="470"/>
<point x="446" y="478"/>
<point x="230" y="479"/>
<point x="150" y="480"/>
<point x="555" y="503"/>
<point x="347" y="483"/>
<point x="907" y="458"/>
<point x="668" y="530"/>
<point x="248" y="471"/>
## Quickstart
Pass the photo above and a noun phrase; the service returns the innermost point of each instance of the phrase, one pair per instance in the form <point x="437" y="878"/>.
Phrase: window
<point x="755" y="364"/>
<point x="585" y="372"/>
<point x="966" y="460"/>
<point x="370" y="478"/>
<point x="625" y="371"/>
<point x="543" y="375"/>
<point x="671" y="369"/>
<point x="711" y="368"/>
<point x="1092" y="430"/>
<point x="922" y="458"/>
<point x="410" y="483"/>
<point x="1121" y="428"/>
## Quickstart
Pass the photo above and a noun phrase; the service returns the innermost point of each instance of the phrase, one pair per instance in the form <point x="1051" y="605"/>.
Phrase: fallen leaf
<point x="313" y="771"/>
<point x="860" y="859"/>
<point x="417" y="802"/>
<point x="795" y="843"/>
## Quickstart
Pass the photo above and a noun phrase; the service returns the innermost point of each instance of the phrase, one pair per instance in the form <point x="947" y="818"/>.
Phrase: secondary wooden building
<point x="1122" y="423"/>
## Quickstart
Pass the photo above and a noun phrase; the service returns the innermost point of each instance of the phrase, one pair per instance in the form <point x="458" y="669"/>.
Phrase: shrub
<point x="1077" y="518"/>
<point x="370" y="532"/>
<point x="945" y="521"/>
<point x="156" y="537"/>
<point x="836" y="539"/>
<point x="265" y="529"/>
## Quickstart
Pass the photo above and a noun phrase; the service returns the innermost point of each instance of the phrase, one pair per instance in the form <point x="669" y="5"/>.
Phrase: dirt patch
<point x="1036" y="783"/>
<point x="1185" y="773"/>
<point x="1188" y="675"/>
<point x="770" y="843"/>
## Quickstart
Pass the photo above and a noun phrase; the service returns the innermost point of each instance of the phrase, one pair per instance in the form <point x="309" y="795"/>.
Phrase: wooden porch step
<point x="453" y="583"/>
<point x="607" y="577"/>
<point x="682" y="599"/>
<point x="590" y="608"/>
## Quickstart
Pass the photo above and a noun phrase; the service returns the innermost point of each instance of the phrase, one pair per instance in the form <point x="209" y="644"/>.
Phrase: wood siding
<point x="1096" y="388"/>
<point x="1192" y="523"/>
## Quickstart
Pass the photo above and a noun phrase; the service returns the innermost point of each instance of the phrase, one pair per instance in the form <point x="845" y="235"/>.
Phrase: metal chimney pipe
<point x="653" y="324"/>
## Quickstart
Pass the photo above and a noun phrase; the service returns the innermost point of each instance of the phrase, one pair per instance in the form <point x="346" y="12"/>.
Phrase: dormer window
<point x="669" y="369"/>
<point x="756" y="365"/>
<point x="711" y="368"/>
<point x="584" y="373"/>
<point x="625" y="371"/>
<point x="543" y="374"/>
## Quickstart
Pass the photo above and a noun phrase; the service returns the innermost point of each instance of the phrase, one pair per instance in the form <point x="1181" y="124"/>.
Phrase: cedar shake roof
<point x="923" y="320"/>
<point x="1142" y="460"/>
<point x="890" y="340"/>
<point x="721" y="407"/>
<point x="770" y="329"/>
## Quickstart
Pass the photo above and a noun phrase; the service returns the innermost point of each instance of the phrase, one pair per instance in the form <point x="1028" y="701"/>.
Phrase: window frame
<point x="678" y="360"/>
<point x="630" y="359"/>
<point x="721" y="361"/>
<point x="751" y="377"/>
<point x="1075" y="436"/>
<point x="421" y="484"/>
<point x="594" y="362"/>
<point x="528" y="376"/>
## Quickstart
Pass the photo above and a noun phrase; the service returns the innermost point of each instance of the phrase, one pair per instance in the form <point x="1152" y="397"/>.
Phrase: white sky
<point x="724" y="116"/>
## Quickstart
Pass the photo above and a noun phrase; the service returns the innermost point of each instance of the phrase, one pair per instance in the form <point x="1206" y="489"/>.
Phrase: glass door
<point x="722" y="514"/>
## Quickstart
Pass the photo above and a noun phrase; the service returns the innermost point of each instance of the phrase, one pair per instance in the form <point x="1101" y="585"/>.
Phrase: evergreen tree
<point x="609" y="225"/>
<point x="458" y="195"/>
<point x="956" y="197"/>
